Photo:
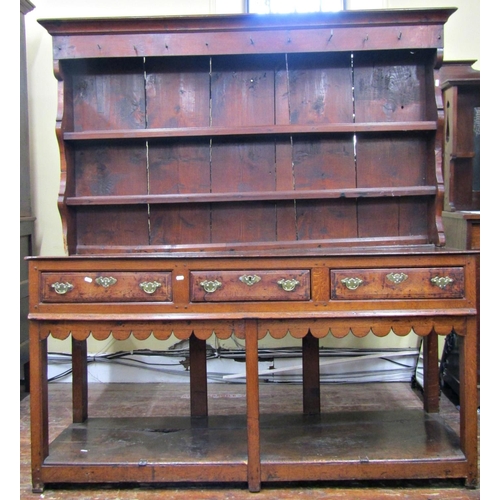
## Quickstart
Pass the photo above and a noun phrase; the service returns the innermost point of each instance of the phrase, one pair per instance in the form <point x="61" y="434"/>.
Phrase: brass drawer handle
<point x="150" y="286"/>
<point x="210" y="286"/>
<point x="105" y="282"/>
<point x="397" y="278"/>
<point x="249" y="280"/>
<point x="288" y="285"/>
<point x="352" y="283"/>
<point x="62" y="288"/>
<point x="441" y="281"/>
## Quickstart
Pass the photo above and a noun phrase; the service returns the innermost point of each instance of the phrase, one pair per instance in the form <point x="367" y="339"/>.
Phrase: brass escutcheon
<point x="288" y="285"/>
<point x="210" y="286"/>
<point x="441" y="281"/>
<point x="62" y="288"/>
<point x="149" y="286"/>
<point x="105" y="282"/>
<point x="352" y="283"/>
<point x="249" y="280"/>
<point x="397" y="278"/>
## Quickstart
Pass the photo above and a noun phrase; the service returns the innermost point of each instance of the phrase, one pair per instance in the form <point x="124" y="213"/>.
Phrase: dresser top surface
<point x="420" y="250"/>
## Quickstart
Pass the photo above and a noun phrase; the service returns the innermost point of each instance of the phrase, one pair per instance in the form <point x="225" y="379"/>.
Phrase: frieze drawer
<point x="106" y="287"/>
<point x="398" y="283"/>
<point x="218" y="286"/>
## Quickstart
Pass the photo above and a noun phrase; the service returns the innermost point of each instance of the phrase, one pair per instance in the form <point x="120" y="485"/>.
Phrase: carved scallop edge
<point x="277" y="329"/>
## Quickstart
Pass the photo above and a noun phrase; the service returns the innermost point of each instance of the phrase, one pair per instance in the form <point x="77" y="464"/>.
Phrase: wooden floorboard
<point x="155" y="400"/>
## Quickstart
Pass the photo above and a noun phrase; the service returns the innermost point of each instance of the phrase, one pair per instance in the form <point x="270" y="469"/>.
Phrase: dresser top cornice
<point x="154" y="24"/>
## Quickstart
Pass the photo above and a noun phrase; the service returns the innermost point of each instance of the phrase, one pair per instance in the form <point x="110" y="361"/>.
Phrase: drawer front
<point x="400" y="283"/>
<point x="106" y="287"/>
<point x="227" y="286"/>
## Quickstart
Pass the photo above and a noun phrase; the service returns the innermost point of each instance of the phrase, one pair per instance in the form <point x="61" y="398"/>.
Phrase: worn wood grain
<point x="155" y="401"/>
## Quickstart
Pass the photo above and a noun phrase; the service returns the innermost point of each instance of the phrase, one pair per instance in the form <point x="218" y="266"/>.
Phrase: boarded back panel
<point x="178" y="92"/>
<point x="326" y="219"/>
<point x="179" y="224"/>
<point x="324" y="163"/>
<point x="104" y="169"/>
<point x="242" y="91"/>
<point x="390" y="86"/>
<point x="180" y="166"/>
<point x="108" y="94"/>
<point x="378" y="217"/>
<point x="392" y="162"/>
<point x="320" y="88"/>
<point x="414" y="216"/>
<point x="112" y="225"/>
<point x="282" y="91"/>
<point x="243" y="222"/>
<point x="247" y="165"/>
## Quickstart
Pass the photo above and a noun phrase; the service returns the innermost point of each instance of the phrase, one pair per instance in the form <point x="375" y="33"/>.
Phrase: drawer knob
<point x="352" y="283"/>
<point x="441" y="281"/>
<point x="250" y="280"/>
<point x="150" y="286"/>
<point x="105" y="282"/>
<point x="62" y="288"/>
<point x="210" y="286"/>
<point x="288" y="285"/>
<point x="397" y="278"/>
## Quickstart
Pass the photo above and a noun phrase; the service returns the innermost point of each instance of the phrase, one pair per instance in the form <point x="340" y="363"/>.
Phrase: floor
<point x="150" y="400"/>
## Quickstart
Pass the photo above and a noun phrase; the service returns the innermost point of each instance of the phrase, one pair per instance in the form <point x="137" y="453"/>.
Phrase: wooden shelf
<point x="164" y="133"/>
<point x="164" y="444"/>
<point x="252" y="196"/>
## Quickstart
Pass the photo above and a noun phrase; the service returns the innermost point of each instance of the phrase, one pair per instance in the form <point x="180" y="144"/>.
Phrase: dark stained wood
<point x="362" y="436"/>
<point x="410" y="193"/>
<point x="242" y="128"/>
<point x="198" y="376"/>
<point x="398" y="161"/>
<point x="107" y="94"/>
<point x="460" y="85"/>
<point x="79" y="373"/>
<point x="126" y="226"/>
<point x="180" y="167"/>
<point x="323" y="163"/>
<point x="103" y="170"/>
<point x="311" y="375"/>
<point x="177" y="92"/>
<point x="392" y="86"/>
<point x="161" y="401"/>
<point x="242" y="91"/>
<point x="279" y="130"/>
<point x="319" y="88"/>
